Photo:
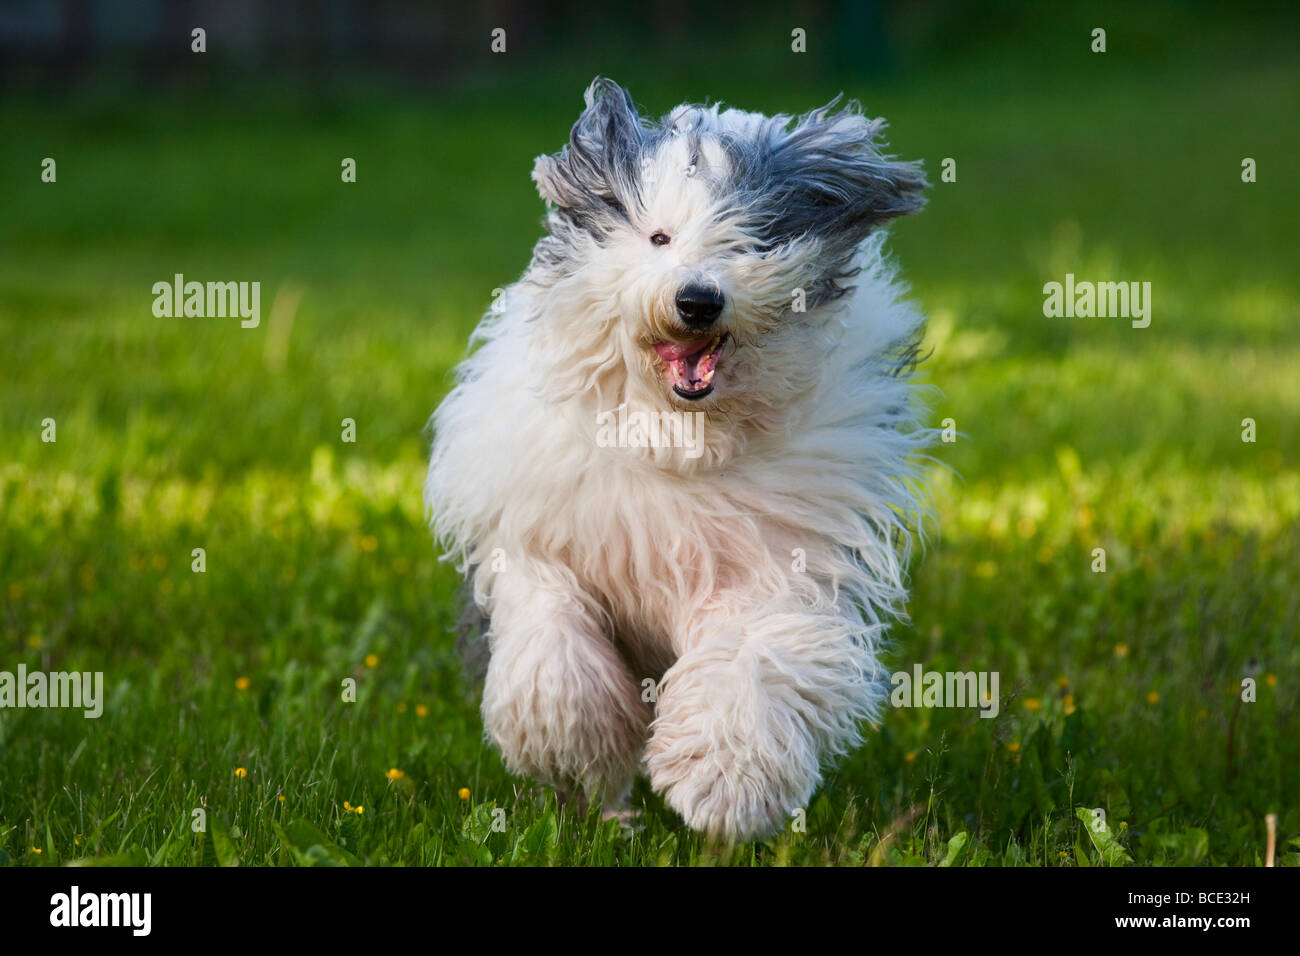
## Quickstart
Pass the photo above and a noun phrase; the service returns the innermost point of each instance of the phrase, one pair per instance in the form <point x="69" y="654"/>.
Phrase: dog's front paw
<point x="720" y="804"/>
<point x="559" y="701"/>
<point x="728" y="776"/>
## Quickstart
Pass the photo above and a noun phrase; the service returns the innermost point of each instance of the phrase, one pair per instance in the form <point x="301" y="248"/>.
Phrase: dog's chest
<point x="656" y="551"/>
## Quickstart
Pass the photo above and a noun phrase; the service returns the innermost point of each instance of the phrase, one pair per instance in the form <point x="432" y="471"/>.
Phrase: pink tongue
<point x="685" y="359"/>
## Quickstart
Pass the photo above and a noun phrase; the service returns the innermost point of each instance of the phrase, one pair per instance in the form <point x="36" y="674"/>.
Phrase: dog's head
<point x="693" y="262"/>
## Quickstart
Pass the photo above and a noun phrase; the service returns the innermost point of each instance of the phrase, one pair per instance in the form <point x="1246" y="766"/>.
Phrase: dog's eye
<point x="660" y="239"/>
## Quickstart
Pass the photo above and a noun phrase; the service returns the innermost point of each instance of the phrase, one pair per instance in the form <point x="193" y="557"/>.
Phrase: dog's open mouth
<point x="692" y="365"/>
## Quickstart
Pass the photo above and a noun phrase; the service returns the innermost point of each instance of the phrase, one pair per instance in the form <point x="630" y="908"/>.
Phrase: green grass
<point x="1120" y="690"/>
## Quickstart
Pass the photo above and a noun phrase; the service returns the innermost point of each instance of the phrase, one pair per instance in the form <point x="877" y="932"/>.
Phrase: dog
<point x="705" y="610"/>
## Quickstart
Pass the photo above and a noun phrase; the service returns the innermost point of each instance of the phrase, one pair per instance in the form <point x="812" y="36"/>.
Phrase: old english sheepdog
<point x="681" y="471"/>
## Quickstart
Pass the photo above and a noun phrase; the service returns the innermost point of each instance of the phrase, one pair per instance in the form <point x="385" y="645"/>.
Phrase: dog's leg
<point x="751" y="709"/>
<point x="558" y="699"/>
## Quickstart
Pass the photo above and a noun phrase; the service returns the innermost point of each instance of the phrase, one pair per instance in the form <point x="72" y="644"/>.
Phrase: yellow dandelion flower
<point x="1153" y="697"/>
<point x="1014" y="746"/>
<point x="909" y="757"/>
<point x="347" y="807"/>
<point x="1270" y="680"/>
<point x="1032" y="703"/>
<point x="463" y="793"/>
<point x="34" y="642"/>
<point x="242" y="683"/>
<point x="395" y="774"/>
<point x="280" y="798"/>
<point x="421" y="710"/>
<point x="359" y="810"/>
<point x="1121" y="650"/>
<point x="1069" y="705"/>
<point x="1062" y="681"/>
<point x="372" y="660"/>
<point x="241" y="773"/>
<point x="37" y="849"/>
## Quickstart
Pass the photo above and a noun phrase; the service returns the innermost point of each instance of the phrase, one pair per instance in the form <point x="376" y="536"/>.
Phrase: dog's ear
<point x="597" y="171"/>
<point x="829" y="177"/>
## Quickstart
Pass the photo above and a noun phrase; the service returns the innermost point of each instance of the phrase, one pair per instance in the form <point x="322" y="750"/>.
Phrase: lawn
<point x="224" y="689"/>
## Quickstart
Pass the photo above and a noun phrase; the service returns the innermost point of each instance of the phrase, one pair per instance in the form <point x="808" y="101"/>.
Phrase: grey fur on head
<point x="594" y="179"/>
<point x="821" y="176"/>
<point x="825" y="177"/>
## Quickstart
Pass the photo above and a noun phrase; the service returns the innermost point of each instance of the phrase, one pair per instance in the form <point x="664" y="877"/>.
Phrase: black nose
<point x="699" y="305"/>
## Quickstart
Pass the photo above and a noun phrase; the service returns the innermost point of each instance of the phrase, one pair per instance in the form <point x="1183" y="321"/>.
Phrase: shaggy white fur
<point x="751" y="581"/>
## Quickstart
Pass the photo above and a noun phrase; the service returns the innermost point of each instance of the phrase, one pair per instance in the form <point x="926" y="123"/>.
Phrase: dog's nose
<point x="699" y="305"/>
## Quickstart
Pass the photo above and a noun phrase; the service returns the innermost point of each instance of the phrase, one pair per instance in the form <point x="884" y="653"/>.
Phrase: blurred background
<point x="177" y="433"/>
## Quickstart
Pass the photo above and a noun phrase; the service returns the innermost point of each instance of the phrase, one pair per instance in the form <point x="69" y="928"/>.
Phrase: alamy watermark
<point x="621" y="428"/>
<point x="214" y="300"/>
<point x="84" y="691"/>
<point x="1086" y="300"/>
<point x="75" y="908"/>
<point x="922" y="688"/>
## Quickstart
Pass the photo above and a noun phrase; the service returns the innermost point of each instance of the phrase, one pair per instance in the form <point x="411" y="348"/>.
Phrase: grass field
<point x="1120" y="690"/>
